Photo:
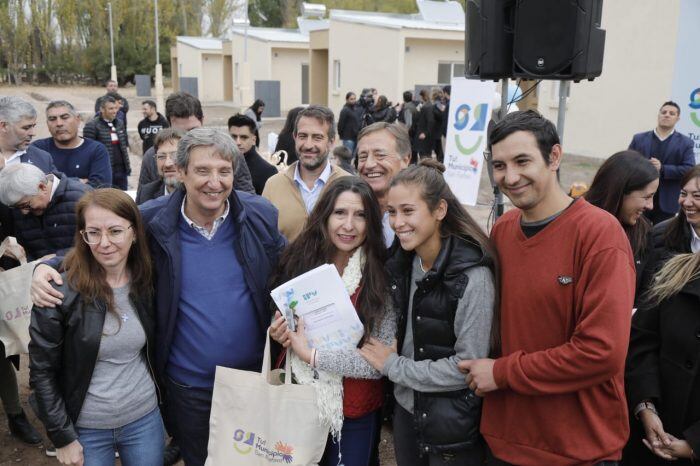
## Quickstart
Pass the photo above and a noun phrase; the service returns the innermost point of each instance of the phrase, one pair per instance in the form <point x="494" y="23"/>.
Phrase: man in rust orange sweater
<point x="555" y="395"/>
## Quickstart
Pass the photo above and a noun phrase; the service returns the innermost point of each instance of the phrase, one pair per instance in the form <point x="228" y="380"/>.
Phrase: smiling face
<point x="416" y="226"/>
<point x="116" y="237"/>
<point x="521" y="172"/>
<point x="165" y="161"/>
<point x="109" y="110"/>
<point x="668" y="117"/>
<point x="208" y="179"/>
<point x="63" y="125"/>
<point x="347" y="224"/>
<point x="312" y="142"/>
<point x="243" y="137"/>
<point x="689" y="201"/>
<point x="378" y="161"/>
<point x="147" y="111"/>
<point x="17" y="136"/>
<point x="636" y="202"/>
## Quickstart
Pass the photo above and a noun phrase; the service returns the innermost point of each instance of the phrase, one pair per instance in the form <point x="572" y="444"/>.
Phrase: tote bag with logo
<point x="258" y="419"/>
<point x="15" y="300"/>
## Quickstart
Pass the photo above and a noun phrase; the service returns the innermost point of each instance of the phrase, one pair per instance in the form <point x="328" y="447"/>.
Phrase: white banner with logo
<point x="470" y="113"/>
<point x="686" y="77"/>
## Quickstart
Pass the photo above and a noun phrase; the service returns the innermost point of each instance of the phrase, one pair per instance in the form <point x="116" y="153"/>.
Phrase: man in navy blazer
<point x="671" y="153"/>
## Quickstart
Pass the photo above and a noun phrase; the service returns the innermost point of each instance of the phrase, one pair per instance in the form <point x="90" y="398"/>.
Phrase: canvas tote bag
<point x="15" y="300"/>
<point x="258" y="420"/>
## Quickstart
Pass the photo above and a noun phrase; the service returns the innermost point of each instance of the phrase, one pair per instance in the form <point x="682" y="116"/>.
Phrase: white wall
<point x="638" y="67"/>
<point x="422" y="58"/>
<point x="258" y="59"/>
<point x="211" y="85"/>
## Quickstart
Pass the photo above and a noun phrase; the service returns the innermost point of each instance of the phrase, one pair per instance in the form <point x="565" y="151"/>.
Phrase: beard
<point x="172" y="183"/>
<point x="315" y="163"/>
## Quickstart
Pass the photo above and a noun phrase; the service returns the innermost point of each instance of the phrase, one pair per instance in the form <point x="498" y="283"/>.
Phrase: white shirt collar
<point x="14" y="158"/>
<point x="201" y="230"/>
<point x="667" y="136"/>
<point x="694" y="240"/>
<point x="323" y="177"/>
<point x="54" y="185"/>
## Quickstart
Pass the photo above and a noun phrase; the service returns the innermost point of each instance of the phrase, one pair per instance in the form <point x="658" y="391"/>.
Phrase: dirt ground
<point x="12" y="452"/>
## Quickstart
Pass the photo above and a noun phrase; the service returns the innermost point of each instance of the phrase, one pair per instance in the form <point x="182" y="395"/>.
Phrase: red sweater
<point x="566" y="306"/>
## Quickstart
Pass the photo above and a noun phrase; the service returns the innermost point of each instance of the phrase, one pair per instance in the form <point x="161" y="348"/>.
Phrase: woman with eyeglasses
<point x="89" y="356"/>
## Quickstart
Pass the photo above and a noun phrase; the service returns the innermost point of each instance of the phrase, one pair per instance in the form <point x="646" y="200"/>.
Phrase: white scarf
<point x="329" y="386"/>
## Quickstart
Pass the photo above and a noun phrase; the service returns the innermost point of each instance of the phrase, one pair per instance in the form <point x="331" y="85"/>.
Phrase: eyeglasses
<point x="114" y="235"/>
<point x="162" y="156"/>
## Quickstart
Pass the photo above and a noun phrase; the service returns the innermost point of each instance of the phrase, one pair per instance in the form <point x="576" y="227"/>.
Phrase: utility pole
<point x="159" y="67"/>
<point x="113" y="69"/>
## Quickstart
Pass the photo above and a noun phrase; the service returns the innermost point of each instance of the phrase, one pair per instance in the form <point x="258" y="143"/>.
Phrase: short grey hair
<point x="13" y="109"/>
<point x="222" y="142"/>
<point x="320" y="113"/>
<point x="399" y="132"/>
<point x="20" y="180"/>
<point x="62" y="103"/>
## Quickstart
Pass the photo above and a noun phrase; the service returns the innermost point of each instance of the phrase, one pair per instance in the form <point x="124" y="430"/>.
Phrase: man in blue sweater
<point x="76" y="157"/>
<point x="213" y="250"/>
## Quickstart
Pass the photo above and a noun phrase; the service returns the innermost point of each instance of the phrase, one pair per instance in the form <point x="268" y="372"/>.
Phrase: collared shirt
<point x="54" y="186"/>
<point x="694" y="240"/>
<point x="667" y="136"/>
<point x="386" y="229"/>
<point x="202" y="230"/>
<point x="15" y="158"/>
<point x="310" y="196"/>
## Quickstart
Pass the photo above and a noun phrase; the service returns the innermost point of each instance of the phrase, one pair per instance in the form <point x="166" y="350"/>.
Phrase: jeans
<point x="356" y="442"/>
<point x="120" y="180"/>
<point x="406" y="446"/>
<point x="350" y="144"/>
<point x="139" y="443"/>
<point x="188" y="410"/>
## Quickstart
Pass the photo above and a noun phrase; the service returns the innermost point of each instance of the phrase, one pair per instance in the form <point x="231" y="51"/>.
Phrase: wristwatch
<point x="645" y="405"/>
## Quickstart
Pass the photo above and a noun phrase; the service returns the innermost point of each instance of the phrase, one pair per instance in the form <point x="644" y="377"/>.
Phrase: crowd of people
<point x="567" y="336"/>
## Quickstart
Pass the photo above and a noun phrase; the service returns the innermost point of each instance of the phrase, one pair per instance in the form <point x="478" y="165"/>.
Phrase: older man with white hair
<point x="44" y="208"/>
<point x="213" y="250"/>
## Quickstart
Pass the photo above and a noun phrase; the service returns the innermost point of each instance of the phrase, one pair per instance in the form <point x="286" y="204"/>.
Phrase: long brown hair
<point x="622" y="173"/>
<point x="428" y="179"/>
<point x="313" y="247"/>
<point x="85" y="274"/>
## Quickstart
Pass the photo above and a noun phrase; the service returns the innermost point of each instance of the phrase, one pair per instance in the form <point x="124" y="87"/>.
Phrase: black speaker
<point x="489" y="39"/>
<point x="558" y="39"/>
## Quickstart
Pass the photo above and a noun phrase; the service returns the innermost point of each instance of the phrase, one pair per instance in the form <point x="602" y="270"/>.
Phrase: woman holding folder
<point x="344" y="229"/>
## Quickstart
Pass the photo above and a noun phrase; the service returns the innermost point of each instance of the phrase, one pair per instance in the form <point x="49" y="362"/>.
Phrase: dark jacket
<point x="149" y="129"/>
<point x="349" y="122"/>
<point x="149" y="173"/>
<point x="63" y="351"/>
<point x="152" y="190"/>
<point x="39" y="158"/>
<point x="387" y="114"/>
<point x="258" y="246"/>
<point x="425" y="124"/>
<point x="663" y="246"/>
<point x="676" y="160"/>
<point x="54" y="231"/>
<point x="444" y="421"/>
<point x="663" y="363"/>
<point x="99" y="130"/>
<point x="260" y="169"/>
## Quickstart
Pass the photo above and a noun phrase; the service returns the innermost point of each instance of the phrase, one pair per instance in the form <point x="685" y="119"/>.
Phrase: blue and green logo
<point x="463" y="115"/>
<point x="695" y="105"/>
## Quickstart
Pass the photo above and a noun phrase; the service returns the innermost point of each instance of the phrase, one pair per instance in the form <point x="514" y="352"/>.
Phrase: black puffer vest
<point x="445" y="421"/>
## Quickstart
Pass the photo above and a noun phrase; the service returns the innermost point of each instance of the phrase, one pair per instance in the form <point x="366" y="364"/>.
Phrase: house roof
<point x="444" y="16"/>
<point x="274" y="34"/>
<point x="204" y="43"/>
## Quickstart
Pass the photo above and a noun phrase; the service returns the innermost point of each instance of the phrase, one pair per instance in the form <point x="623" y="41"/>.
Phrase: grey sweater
<point x="349" y="363"/>
<point x="472" y="326"/>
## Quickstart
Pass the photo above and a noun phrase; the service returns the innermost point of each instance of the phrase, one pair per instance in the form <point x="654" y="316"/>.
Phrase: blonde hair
<point x="673" y="276"/>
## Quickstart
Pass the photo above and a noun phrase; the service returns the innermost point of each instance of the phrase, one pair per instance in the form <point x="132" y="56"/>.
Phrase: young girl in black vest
<point x="442" y="285"/>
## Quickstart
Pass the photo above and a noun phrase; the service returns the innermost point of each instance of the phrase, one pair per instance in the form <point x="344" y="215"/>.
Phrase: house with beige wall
<point x="390" y="52"/>
<point x="204" y="59"/>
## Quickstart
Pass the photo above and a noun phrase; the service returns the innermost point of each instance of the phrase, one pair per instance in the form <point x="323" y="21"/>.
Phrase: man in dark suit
<point x="165" y="146"/>
<point x="671" y="153"/>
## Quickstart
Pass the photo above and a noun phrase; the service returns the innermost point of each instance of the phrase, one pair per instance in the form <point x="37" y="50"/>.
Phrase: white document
<point x="319" y="296"/>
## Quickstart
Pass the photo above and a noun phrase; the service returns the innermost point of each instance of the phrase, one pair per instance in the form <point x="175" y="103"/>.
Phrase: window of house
<point x="336" y="75"/>
<point x="446" y="71"/>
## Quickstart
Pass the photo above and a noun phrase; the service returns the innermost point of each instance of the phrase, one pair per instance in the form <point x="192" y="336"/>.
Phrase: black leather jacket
<point x="62" y="354"/>
<point x="444" y="421"/>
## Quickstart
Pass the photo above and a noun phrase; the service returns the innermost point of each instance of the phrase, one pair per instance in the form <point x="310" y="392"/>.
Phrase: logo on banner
<point x="247" y="442"/>
<point x="470" y="124"/>
<point x="695" y="105"/>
